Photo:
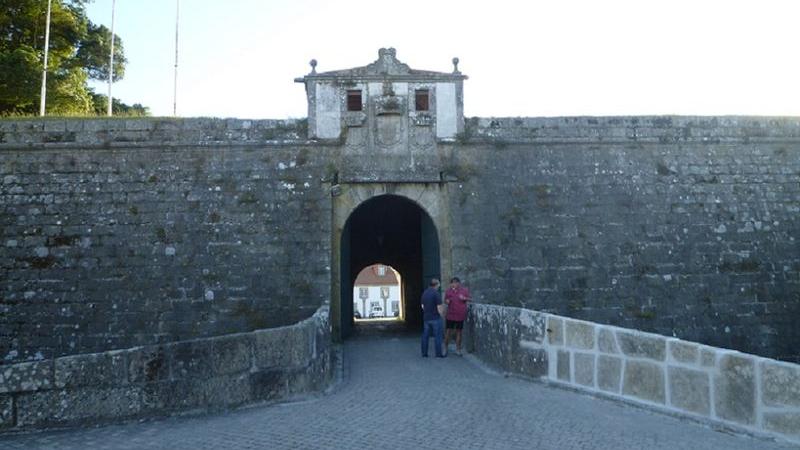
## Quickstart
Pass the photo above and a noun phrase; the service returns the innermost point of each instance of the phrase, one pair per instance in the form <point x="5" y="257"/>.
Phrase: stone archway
<point x="402" y="225"/>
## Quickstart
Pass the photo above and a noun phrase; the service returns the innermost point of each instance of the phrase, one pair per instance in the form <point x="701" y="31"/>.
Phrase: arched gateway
<point x="387" y="184"/>
<point x="382" y="224"/>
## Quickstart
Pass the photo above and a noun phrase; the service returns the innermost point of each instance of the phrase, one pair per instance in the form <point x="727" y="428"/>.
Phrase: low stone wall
<point x="628" y="129"/>
<point x="201" y="374"/>
<point x="53" y="132"/>
<point x="745" y="391"/>
<point x="132" y="132"/>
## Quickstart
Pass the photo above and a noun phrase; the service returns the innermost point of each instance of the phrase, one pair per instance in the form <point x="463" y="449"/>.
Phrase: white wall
<point x="375" y="296"/>
<point x="375" y="89"/>
<point x="328" y="111"/>
<point x="446" y="110"/>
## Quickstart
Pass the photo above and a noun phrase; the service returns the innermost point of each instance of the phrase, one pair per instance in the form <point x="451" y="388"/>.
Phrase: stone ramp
<point x="391" y="398"/>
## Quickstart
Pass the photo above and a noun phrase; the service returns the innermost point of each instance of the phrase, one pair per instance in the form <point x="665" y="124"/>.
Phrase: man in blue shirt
<point x="431" y="321"/>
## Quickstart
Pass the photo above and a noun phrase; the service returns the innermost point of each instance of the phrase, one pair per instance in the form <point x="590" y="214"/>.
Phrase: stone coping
<point x="149" y="131"/>
<point x="744" y="391"/>
<point x="200" y="374"/>
<point x="632" y="129"/>
<point x="37" y="133"/>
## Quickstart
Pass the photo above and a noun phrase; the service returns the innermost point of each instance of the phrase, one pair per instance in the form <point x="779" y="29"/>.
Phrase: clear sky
<point x="238" y="58"/>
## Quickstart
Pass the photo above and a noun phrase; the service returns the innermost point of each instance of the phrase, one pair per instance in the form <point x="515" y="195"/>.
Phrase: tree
<point x="93" y="53"/>
<point x="100" y="102"/>
<point x="78" y="52"/>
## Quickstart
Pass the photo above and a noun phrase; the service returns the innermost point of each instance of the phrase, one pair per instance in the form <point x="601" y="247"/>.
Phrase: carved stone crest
<point x="388" y="130"/>
<point x="387" y="63"/>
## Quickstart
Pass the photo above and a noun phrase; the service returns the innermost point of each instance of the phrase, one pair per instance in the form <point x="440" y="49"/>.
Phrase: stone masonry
<point x="214" y="373"/>
<point x="110" y="240"/>
<point x="118" y="233"/>
<point x="142" y="261"/>
<point x="719" y="385"/>
<point x="494" y="412"/>
<point x="683" y="226"/>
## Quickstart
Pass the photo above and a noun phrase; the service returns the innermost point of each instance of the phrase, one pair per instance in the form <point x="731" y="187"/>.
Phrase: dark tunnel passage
<point x="395" y="231"/>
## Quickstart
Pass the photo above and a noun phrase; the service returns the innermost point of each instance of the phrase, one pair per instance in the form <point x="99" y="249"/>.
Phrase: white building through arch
<point x="377" y="294"/>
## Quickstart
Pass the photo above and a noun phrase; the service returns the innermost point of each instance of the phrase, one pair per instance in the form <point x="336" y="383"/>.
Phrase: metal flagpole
<point x="111" y="61"/>
<point x="46" y="50"/>
<point x="175" y="82"/>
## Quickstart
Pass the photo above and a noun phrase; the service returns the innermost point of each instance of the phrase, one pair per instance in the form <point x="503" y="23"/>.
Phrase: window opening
<point x="422" y="100"/>
<point x="354" y="100"/>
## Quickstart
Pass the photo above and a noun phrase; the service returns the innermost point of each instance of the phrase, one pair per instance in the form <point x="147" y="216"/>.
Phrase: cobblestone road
<point x="391" y="398"/>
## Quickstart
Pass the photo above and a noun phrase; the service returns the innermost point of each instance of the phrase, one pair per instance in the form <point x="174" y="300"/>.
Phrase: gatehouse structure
<point x="137" y="254"/>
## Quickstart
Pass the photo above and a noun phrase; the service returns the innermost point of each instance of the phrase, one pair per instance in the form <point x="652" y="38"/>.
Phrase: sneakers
<point x="458" y="352"/>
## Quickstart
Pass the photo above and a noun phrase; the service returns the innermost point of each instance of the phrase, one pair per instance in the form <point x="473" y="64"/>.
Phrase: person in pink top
<point x="456" y="299"/>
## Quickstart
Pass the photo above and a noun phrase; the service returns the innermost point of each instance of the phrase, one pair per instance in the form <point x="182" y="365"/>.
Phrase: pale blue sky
<point x="238" y="58"/>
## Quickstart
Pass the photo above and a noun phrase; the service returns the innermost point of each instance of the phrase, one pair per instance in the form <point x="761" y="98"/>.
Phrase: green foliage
<point x="100" y="102"/>
<point x="161" y="235"/>
<point x="67" y="93"/>
<point x="247" y="198"/>
<point x="93" y="53"/>
<point x="78" y="52"/>
<point x="19" y="80"/>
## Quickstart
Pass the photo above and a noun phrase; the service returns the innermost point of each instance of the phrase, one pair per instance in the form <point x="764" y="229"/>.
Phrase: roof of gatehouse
<point x="387" y="66"/>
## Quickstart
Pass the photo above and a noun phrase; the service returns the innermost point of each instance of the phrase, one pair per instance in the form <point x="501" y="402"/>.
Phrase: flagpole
<point x="111" y="61"/>
<point x="46" y="50"/>
<point x="175" y="82"/>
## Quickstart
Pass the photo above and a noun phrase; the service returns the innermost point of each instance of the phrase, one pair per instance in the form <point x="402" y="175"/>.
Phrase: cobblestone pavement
<point x="391" y="398"/>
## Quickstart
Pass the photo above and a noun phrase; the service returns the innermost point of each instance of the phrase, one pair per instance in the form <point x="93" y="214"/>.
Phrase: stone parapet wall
<point x="202" y="374"/>
<point x="132" y="132"/>
<point x="628" y="129"/>
<point x="737" y="389"/>
<point x="109" y="133"/>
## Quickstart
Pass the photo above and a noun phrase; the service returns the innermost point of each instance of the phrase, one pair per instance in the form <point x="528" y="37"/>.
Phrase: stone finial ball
<point x="455" y="61"/>
<point x="313" y="63"/>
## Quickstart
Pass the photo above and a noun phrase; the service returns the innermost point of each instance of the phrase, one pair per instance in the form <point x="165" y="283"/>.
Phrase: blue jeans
<point x="432" y="327"/>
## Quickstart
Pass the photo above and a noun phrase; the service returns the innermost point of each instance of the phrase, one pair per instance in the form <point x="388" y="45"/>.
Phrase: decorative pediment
<point x="386" y="64"/>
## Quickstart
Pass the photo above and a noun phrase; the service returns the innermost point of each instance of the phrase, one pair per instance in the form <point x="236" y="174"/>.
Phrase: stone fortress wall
<point x="203" y="374"/>
<point x="121" y="233"/>
<point x="720" y="386"/>
<point x="118" y="233"/>
<point x="682" y="226"/>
